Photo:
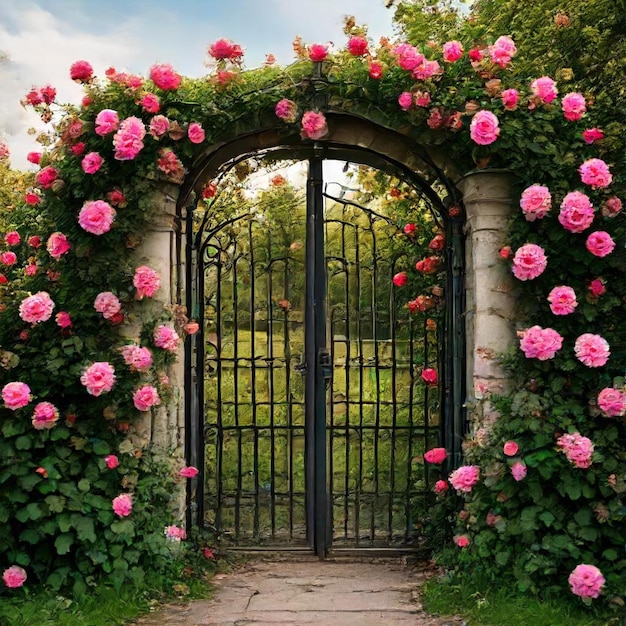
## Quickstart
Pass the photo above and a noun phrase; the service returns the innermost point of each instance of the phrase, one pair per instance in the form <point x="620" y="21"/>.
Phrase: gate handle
<point x="323" y="360"/>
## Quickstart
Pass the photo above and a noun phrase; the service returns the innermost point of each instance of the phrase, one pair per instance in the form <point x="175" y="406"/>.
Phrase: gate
<point x="310" y="417"/>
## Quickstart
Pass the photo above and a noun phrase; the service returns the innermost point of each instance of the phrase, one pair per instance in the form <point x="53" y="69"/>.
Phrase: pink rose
<point x="436" y="456"/>
<point x="435" y="119"/>
<point x="128" y="140"/>
<point x="596" y="288"/>
<point x="146" y="281"/>
<point x="452" y="51"/>
<point x="33" y="198"/>
<point x="510" y="448"/>
<point x="195" y="132"/>
<point x="519" y="471"/>
<point x="529" y="262"/>
<point x="600" y="243"/>
<point x="150" y="103"/>
<point x="8" y="258"/>
<point x="30" y="269"/>
<point x="91" y="163"/>
<point x="541" y="343"/>
<point x="116" y="198"/>
<point x="375" y="70"/>
<point x="225" y="49"/>
<point x="429" y="376"/>
<point x="357" y="46"/>
<point x="576" y="212"/>
<point x="81" y="71"/>
<point x="612" y="402"/>
<point x="107" y="121"/>
<point x="137" y="358"/>
<point x="586" y="581"/>
<point x="484" y="128"/>
<point x="165" y="77"/>
<point x="465" y="477"/>
<point x="314" y="125"/>
<point x="63" y="319"/>
<point x="562" y="300"/>
<point x="426" y="69"/>
<point x="37" y="308"/>
<point x="441" y="486"/>
<point x="166" y="338"/>
<point x="159" y="125"/>
<point x="34" y="241"/>
<point x="595" y="172"/>
<point x="14" y="576"/>
<point x="145" y="397"/>
<point x="123" y="505"/>
<point x="108" y="304"/>
<point x="5" y="152"/>
<point x="544" y="88"/>
<point x="318" y="52"/>
<point x="577" y="449"/>
<point x="502" y="51"/>
<point x="510" y="98"/>
<point x="12" y="238"/>
<point x="111" y="461"/>
<point x="405" y="100"/>
<point x="408" y="57"/>
<point x="400" y="279"/>
<point x="45" y="416"/>
<point x="34" y="157"/>
<point x="96" y="217"/>
<point x="98" y="378"/>
<point x="612" y="207"/>
<point x="462" y="541"/>
<point x="592" y="134"/>
<point x="536" y="202"/>
<point x="592" y="350"/>
<point x="16" y="395"/>
<point x="286" y="110"/>
<point x="57" y="245"/>
<point x="169" y="163"/>
<point x="188" y="472"/>
<point x="422" y="98"/>
<point x="46" y="176"/>
<point x="78" y="148"/>
<point x="191" y="328"/>
<point x="573" y="106"/>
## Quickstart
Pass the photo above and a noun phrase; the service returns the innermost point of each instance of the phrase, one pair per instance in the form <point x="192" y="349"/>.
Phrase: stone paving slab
<point x="287" y="592"/>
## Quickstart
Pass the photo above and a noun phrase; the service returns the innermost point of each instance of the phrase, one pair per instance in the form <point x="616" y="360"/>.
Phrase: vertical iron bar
<point x="219" y="422"/>
<point x="407" y="494"/>
<point x="374" y="311"/>
<point x="346" y="489"/>
<point x="255" y="532"/>
<point x="359" y="331"/>
<point x="235" y="400"/>
<point x="394" y="405"/>
<point x="288" y="398"/>
<point x="270" y="383"/>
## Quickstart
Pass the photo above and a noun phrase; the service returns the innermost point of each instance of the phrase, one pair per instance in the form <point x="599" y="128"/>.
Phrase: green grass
<point x="506" y="607"/>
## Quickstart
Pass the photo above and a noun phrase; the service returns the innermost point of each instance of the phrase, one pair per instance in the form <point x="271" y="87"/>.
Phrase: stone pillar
<point x="490" y="297"/>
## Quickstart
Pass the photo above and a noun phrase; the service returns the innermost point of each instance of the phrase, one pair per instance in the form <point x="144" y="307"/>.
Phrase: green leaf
<point x="64" y="523"/>
<point x="24" y="442"/>
<point x="30" y="535"/>
<point x="59" y="432"/>
<point x="123" y="527"/>
<point x="84" y="485"/>
<point x="34" y="511"/>
<point x="85" y="530"/>
<point x="63" y="543"/>
<point x="56" y="504"/>
<point x="101" y="448"/>
<point x="547" y="518"/>
<point x="572" y="489"/>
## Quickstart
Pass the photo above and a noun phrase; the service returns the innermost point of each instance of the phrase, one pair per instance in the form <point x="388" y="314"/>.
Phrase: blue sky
<point x="40" y="39"/>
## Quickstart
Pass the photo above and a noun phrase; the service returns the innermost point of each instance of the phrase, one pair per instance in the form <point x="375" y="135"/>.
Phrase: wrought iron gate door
<point x="312" y="415"/>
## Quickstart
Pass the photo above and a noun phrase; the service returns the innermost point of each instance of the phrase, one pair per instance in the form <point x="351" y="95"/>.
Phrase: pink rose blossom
<point x="592" y="350"/>
<point x="375" y="70"/>
<point x="81" y="71"/>
<point x="318" y="52"/>
<point x="78" y="149"/>
<point x="150" y="103"/>
<point x="12" y="238"/>
<point x="63" y="319"/>
<point x="137" y="358"/>
<point x="107" y="121"/>
<point x="96" y="217"/>
<point x="169" y="163"/>
<point x="578" y="449"/>
<point x="45" y="416"/>
<point x="195" y="132"/>
<point x="57" y="245"/>
<point x="166" y="338"/>
<point x="612" y="207"/>
<point x="430" y="376"/>
<point x="519" y="471"/>
<point x="30" y="269"/>
<point x="529" y="262"/>
<point x="541" y="343"/>
<point x="37" y="308"/>
<point x="465" y="477"/>
<point x="592" y="134"/>
<point x="435" y="119"/>
<point x="544" y="88"/>
<point x="408" y="56"/>
<point x="400" y="279"/>
<point x="123" y="505"/>
<point x="188" y="472"/>
<point x="586" y="581"/>
<point x="165" y="77"/>
<point x="145" y="397"/>
<point x="108" y="304"/>
<point x="600" y="243"/>
<point x="573" y="106"/>
<point x="595" y="172"/>
<point x="357" y="46"/>
<point x="596" y="288"/>
<point x="8" y="258"/>
<point x="98" y="378"/>
<point x="576" y="212"/>
<point x="502" y="51"/>
<point x="34" y="157"/>
<point x="225" y="49"/>
<point x="536" y="202"/>
<point x="510" y="448"/>
<point x="33" y="198"/>
<point x="422" y="98"/>
<point x="46" y="176"/>
<point x="16" y="395"/>
<point x="562" y="300"/>
<point x="34" y="241"/>
<point x="14" y="576"/>
<point x="484" y="128"/>
<point x="441" y="486"/>
<point x="510" y="98"/>
<point x="452" y="51"/>
<point x="174" y="533"/>
<point x="462" y="541"/>
<point x="91" y="163"/>
<point x="314" y="125"/>
<point x="159" y="125"/>
<point x="426" y="69"/>
<point x="111" y="461"/>
<point x="146" y="281"/>
<point x="612" y="402"/>
<point x="405" y="100"/>
<point x="128" y="140"/>
<point x="4" y="150"/>
<point x="286" y="110"/>
<point x="436" y="456"/>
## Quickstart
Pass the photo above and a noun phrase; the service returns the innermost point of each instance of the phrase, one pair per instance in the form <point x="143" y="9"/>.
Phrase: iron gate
<point x="312" y="417"/>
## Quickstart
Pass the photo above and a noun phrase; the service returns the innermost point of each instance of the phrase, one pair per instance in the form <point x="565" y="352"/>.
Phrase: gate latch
<point x="323" y="360"/>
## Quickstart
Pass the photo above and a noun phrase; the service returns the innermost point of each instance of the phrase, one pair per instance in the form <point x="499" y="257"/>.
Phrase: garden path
<point x="303" y="591"/>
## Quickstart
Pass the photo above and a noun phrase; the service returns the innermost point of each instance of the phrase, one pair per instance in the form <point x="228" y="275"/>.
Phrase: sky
<point x="40" y="39"/>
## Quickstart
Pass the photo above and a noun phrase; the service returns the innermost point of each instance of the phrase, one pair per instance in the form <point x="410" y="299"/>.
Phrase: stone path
<point x="283" y="592"/>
